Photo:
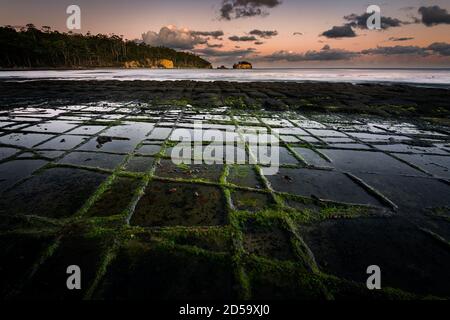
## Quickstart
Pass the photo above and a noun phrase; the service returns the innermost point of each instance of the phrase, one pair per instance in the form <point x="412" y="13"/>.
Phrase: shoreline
<point x="444" y="86"/>
<point x="96" y="68"/>
<point x="438" y="78"/>
<point x="231" y="69"/>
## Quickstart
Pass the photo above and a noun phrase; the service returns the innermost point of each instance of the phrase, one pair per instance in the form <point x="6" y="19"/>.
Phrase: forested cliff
<point x="29" y="47"/>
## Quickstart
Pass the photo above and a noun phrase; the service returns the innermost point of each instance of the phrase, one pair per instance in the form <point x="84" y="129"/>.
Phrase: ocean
<point x="424" y="77"/>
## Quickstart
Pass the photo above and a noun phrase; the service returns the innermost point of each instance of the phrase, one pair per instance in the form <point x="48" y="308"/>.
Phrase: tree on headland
<point x="29" y="47"/>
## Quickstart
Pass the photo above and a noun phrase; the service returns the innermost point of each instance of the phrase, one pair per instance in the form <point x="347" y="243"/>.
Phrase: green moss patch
<point x="180" y="204"/>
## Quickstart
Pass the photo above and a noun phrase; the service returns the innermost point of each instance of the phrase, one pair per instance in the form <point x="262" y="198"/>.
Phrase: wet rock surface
<point x="377" y="99"/>
<point x="175" y="204"/>
<point x="345" y="247"/>
<point x="94" y="184"/>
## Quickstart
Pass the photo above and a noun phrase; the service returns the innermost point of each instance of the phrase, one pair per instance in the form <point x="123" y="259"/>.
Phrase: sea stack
<point x="243" y="65"/>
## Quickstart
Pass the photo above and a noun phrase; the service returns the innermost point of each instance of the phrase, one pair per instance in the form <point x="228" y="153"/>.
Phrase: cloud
<point x="215" y="34"/>
<point x="440" y="48"/>
<point x="297" y="34"/>
<point x="235" y="9"/>
<point x="219" y="45"/>
<point x="243" y="38"/>
<point x="414" y="20"/>
<point x="408" y="8"/>
<point x="329" y="54"/>
<point x="360" y="21"/>
<point x="397" y="50"/>
<point x="400" y="39"/>
<point x="264" y="34"/>
<point x="344" y="31"/>
<point x="434" y="15"/>
<point x="325" y="54"/>
<point x="258" y="43"/>
<point x="172" y="37"/>
<point x="225" y="53"/>
<point x="437" y="48"/>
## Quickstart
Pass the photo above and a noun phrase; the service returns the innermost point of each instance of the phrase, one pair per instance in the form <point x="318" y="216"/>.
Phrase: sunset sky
<point x="268" y="33"/>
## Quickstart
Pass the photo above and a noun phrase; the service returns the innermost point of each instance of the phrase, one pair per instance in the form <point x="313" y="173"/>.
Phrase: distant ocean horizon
<point x="434" y="77"/>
